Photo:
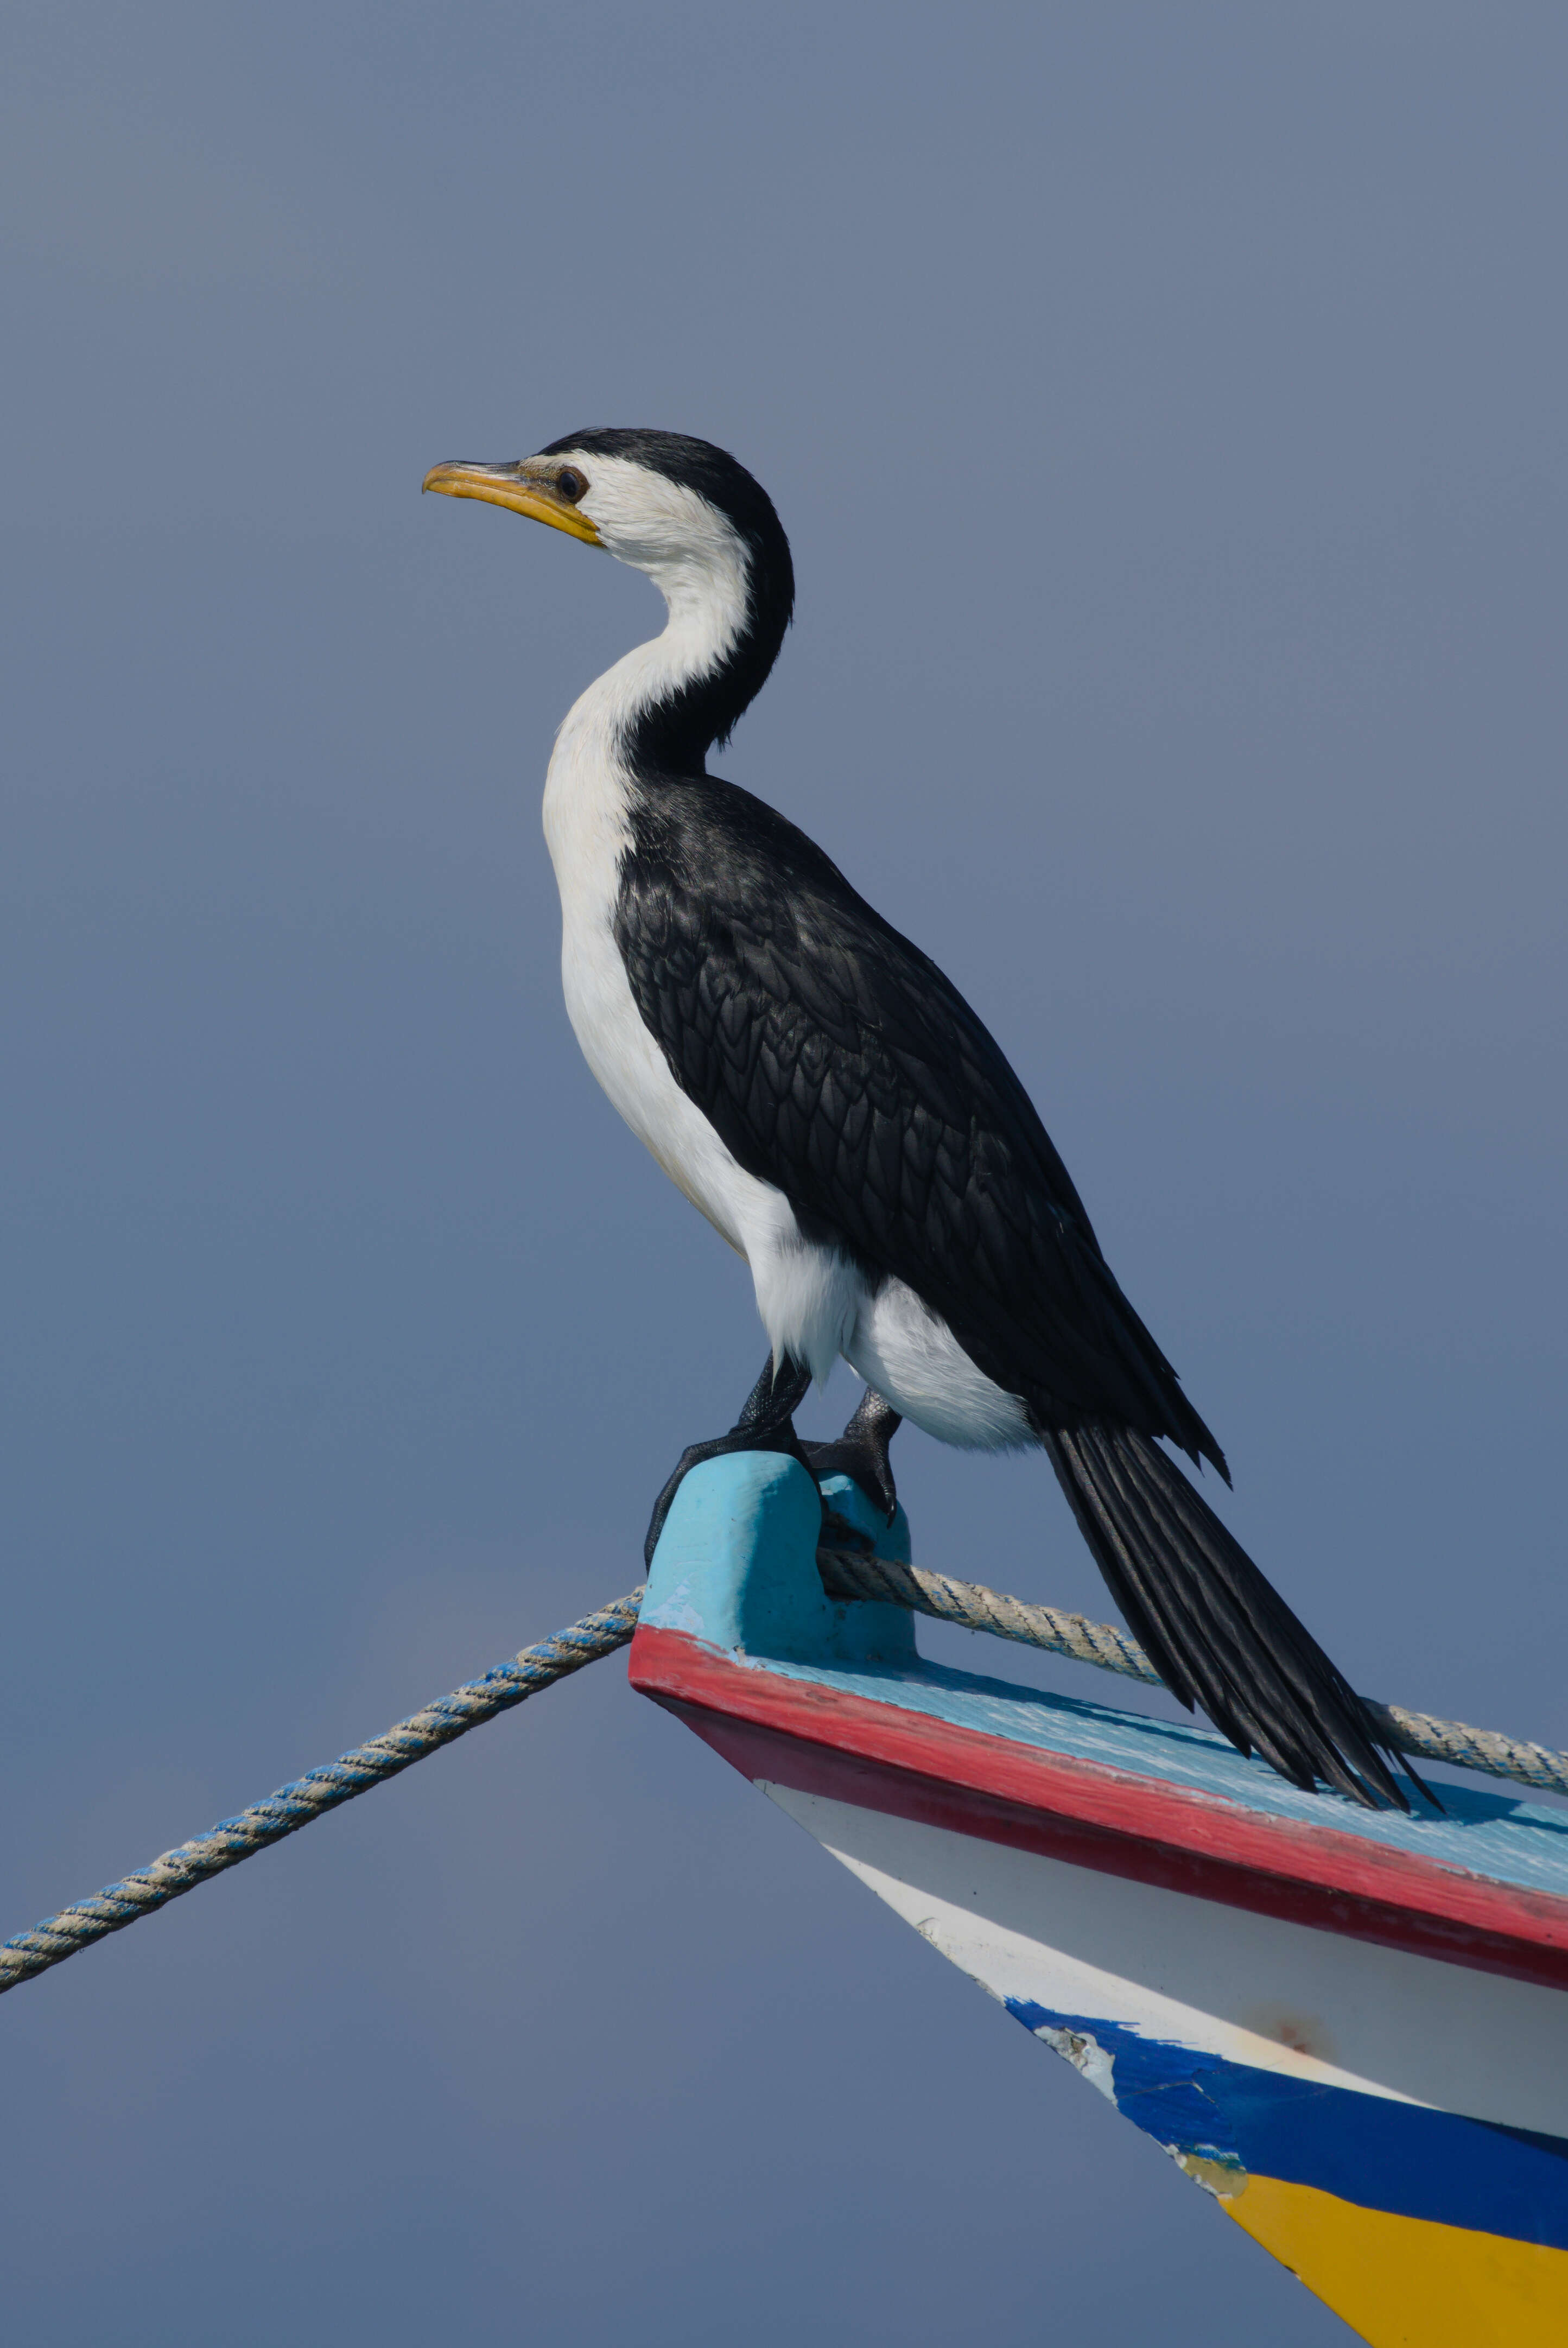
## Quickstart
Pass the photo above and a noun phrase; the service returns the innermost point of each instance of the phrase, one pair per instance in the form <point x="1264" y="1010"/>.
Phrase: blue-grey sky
<point x="1167" y="405"/>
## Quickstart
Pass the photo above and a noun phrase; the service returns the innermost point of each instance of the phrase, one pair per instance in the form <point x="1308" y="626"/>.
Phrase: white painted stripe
<point x="1252" y="1989"/>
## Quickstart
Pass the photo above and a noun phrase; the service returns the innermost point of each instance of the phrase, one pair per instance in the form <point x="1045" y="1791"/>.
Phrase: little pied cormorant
<point x="830" y="1102"/>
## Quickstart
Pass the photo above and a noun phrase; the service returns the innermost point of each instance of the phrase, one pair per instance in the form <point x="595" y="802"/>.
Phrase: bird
<point x="826" y="1097"/>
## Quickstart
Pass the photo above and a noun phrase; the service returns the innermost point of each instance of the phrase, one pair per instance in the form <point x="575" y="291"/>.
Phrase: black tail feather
<point x="1218" y="1634"/>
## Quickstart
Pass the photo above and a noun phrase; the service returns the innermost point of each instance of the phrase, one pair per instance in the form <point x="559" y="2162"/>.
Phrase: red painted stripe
<point x="825" y="1740"/>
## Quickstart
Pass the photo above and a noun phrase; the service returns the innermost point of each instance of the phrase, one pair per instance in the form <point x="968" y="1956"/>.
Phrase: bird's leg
<point x="862" y="1451"/>
<point x="765" y="1423"/>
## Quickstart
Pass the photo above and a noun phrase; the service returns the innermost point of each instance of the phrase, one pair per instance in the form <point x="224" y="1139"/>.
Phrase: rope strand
<point x="296" y="1804"/>
<point x="975" y="1608"/>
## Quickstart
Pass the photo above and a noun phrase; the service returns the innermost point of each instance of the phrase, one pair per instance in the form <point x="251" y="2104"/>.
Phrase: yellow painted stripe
<point x="1405" y="2283"/>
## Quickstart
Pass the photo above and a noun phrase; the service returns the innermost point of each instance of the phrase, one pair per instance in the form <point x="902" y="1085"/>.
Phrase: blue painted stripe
<point x="1402" y="2157"/>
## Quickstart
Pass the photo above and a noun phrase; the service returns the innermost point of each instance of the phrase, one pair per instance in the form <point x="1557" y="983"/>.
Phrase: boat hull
<point x="1405" y="2215"/>
<point x="1352" y="2032"/>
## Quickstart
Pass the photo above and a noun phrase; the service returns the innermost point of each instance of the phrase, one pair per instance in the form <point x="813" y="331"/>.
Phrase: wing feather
<point x="838" y="1063"/>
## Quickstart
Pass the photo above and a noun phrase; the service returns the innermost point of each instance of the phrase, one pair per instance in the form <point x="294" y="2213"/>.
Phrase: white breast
<point x="586" y="825"/>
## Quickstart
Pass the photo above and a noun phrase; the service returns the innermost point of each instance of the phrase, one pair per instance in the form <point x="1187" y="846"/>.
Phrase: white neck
<point x="706" y="606"/>
<point x="588" y="789"/>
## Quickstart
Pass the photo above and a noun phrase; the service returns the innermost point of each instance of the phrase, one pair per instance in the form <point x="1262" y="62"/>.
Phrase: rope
<point x="847" y="1574"/>
<point x="296" y="1804"/>
<point x="844" y="1575"/>
<point x="1486" y="1749"/>
<point x="976" y="1608"/>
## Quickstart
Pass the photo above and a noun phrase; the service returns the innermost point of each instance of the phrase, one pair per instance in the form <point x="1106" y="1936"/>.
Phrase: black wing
<point x="836" y="1063"/>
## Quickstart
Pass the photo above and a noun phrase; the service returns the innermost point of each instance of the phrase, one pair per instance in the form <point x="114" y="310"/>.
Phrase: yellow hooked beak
<point x="514" y="486"/>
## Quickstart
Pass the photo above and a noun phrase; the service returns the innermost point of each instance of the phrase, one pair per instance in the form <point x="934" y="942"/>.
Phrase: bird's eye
<point x="570" y="484"/>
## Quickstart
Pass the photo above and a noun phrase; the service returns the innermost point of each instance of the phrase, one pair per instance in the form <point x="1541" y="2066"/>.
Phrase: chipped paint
<point x="673" y="1610"/>
<point x="1402" y="2159"/>
<point x="1089" y="2058"/>
<point x="1223" y="2179"/>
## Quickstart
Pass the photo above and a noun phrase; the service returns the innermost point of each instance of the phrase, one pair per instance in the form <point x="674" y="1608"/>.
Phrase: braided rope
<point x="973" y="1607"/>
<point x="1486" y="1749"/>
<point x="295" y="1805"/>
<point x="844" y="1575"/>
<point x="976" y="1608"/>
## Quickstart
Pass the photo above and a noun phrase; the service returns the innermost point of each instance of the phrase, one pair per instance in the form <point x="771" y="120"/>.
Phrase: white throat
<point x="700" y="565"/>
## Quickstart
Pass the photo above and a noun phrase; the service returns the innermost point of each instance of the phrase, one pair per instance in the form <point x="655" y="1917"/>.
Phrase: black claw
<point x="861" y="1452"/>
